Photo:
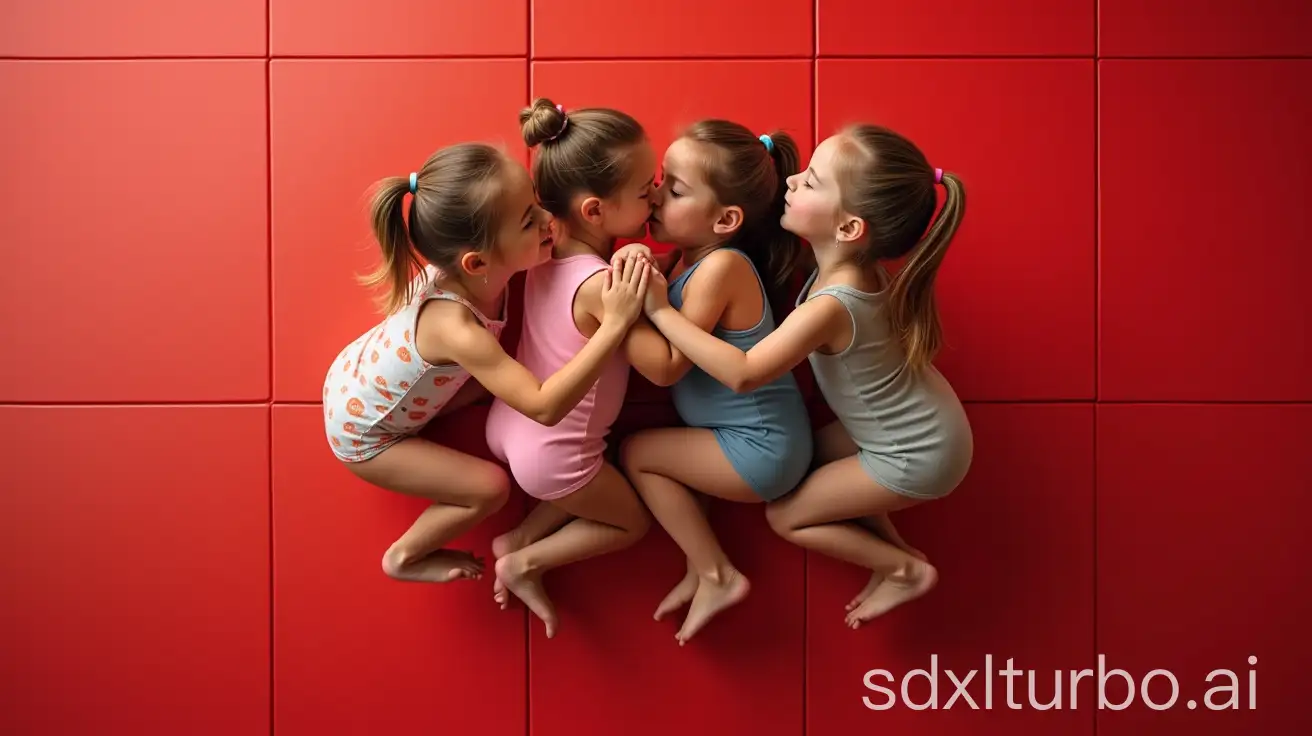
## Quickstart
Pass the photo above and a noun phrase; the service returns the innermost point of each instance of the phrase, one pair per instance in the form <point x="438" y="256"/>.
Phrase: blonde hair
<point x="454" y="209"/>
<point x="887" y="182"/>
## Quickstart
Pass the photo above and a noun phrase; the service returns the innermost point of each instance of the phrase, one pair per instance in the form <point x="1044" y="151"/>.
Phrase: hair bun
<point x="541" y="121"/>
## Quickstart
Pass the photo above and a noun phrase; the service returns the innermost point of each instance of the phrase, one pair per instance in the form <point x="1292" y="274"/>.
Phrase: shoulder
<point x="448" y="323"/>
<point x="823" y="306"/>
<point x="723" y="266"/>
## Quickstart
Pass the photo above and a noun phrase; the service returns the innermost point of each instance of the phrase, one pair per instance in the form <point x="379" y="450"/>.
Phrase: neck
<point x="574" y="240"/>
<point x="486" y="295"/>
<point x="693" y="253"/>
<point x="836" y="261"/>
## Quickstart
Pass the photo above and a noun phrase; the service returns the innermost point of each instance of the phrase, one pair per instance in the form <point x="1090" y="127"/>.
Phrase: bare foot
<point x="527" y="586"/>
<point x="504" y="544"/>
<point x="679" y="597"/>
<point x="875" y="580"/>
<point x="710" y="599"/>
<point x="439" y="566"/>
<point x="896" y="589"/>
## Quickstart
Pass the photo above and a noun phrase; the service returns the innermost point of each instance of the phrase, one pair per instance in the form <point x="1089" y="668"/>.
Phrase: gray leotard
<point x="911" y="429"/>
<point x="766" y="433"/>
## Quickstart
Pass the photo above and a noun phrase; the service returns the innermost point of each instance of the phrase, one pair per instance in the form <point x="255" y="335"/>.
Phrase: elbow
<point x="547" y="416"/>
<point x="745" y="384"/>
<point x="666" y="378"/>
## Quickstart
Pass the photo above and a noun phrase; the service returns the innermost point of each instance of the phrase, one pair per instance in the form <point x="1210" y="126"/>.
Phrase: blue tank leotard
<point x="765" y="434"/>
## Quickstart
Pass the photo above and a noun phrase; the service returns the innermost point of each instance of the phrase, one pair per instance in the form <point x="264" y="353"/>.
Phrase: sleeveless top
<point x="702" y="401"/>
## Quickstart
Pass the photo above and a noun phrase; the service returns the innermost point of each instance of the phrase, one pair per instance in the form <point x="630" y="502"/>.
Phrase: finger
<point x="628" y="270"/>
<point x="606" y="285"/>
<point x="642" y="279"/>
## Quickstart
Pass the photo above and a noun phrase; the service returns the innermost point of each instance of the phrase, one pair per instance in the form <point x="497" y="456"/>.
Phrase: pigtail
<point x="913" y="311"/>
<point x="387" y="214"/>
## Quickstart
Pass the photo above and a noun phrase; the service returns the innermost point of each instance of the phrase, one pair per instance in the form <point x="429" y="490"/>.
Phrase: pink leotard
<point x="552" y="462"/>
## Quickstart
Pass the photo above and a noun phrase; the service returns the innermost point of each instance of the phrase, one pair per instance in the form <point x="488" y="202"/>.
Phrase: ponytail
<point x="779" y="249"/>
<point x="913" y="311"/>
<point x="386" y="212"/>
<point x="453" y="210"/>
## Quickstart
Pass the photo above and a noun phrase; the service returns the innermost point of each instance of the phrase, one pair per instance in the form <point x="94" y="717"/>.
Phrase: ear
<point x="850" y="229"/>
<point x="730" y="219"/>
<point x="473" y="263"/>
<point x="590" y="210"/>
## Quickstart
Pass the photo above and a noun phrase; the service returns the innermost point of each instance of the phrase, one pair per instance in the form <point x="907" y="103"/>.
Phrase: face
<point x="524" y="235"/>
<point x="684" y="207"/>
<point x="813" y="207"/>
<point x="626" y="211"/>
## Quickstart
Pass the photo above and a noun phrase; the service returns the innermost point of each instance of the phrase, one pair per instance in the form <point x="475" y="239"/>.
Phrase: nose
<point x="791" y="182"/>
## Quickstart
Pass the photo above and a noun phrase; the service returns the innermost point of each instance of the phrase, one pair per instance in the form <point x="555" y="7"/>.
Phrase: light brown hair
<point x="745" y="172"/>
<point x="454" y="209"/>
<point x="887" y="182"/>
<point x="585" y="150"/>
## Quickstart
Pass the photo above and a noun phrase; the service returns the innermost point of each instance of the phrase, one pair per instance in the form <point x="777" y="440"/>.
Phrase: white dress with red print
<point x="379" y="391"/>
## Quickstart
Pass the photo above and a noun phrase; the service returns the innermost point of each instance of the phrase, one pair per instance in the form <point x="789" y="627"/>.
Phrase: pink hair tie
<point x="938" y="175"/>
<point x="563" y="125"/>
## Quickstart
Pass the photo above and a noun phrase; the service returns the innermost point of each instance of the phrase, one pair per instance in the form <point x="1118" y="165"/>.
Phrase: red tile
<point x="741" y="674"/>
<point x="1016" y="292"/>
<point x="1202" y="550"/>
<point x="1204" y="230"/>
<point x="1014" y="550"/>
<point x="337" y="128"/>
<point x="956" y="28"/>
<point x="142" y="211"/>
<point x="358" y="652"/>
<point x="1225" y="28"/>
<point x="763" y="95"/>
<point x="585" y="29"/>
<point x="82" y="28"/>
<point x="399" y="28"/>
<point x="136" y="578"/>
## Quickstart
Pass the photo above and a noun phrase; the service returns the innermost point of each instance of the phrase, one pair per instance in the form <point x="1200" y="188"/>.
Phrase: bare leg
<point x="832" y="442"/>
<point x="609" y="517"/>
<point x="681" y="595"/>
<point x="544" y="519"/>
<point x="664" y="464"/>
<point x="814" y="516"/>
<point x="464" y="490"/>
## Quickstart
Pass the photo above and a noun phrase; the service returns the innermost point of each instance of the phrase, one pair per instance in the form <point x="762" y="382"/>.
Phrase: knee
<point x="495" y="494"/>
<point x="395" y="560"/>
<point x="629" y="451"/>
<point x="642" y="523"/>
<point x="780" y="520"/>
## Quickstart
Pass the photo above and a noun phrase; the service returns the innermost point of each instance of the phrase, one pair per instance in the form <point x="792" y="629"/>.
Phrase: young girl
<point x="474" y="220"/>
<point x="720" y="199"/>
<point x="594" y="172"/>
<point x="901" y="435"/>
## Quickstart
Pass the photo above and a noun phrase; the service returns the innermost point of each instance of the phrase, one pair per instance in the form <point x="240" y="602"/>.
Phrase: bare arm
<point x="706" y="297"/>
<point x="809" y="327"/>
<point x="547" y="402"/>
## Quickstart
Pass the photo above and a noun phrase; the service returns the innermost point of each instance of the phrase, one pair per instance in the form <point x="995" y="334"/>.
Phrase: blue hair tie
<point x="414" y="182"/>
<point x="769" y="143"/>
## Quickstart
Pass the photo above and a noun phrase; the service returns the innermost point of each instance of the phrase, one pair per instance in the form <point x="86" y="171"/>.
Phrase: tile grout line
<point x="806" y="555"/>
<point x="612" y="59"/>
<point x="243" y="403"/>
<point x="1097" y="323"/>
<point x="268" y="193"/>
<point x="528" y="155"/>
